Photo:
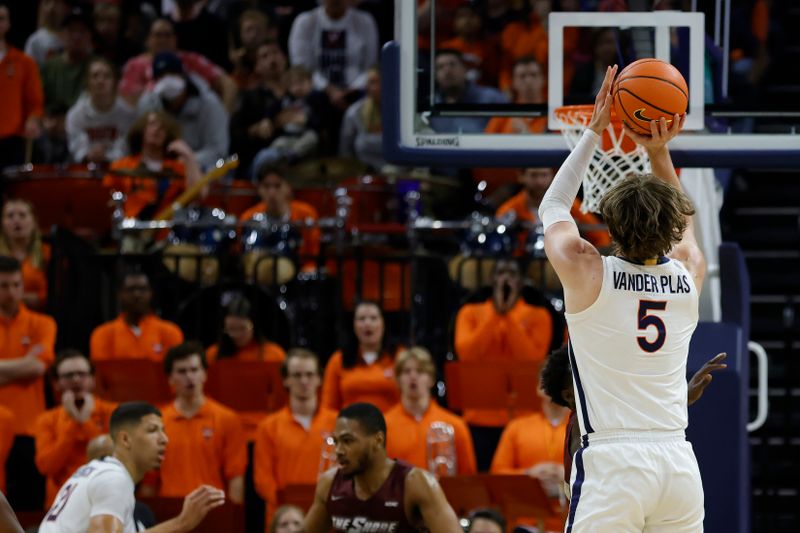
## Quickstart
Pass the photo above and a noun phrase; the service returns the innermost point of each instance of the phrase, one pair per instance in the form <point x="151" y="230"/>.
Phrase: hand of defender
<point x="198" y="503"/>
<point x="660" y="133"/>
<point x="703" y="377"/>
<point x="601" y="116"/>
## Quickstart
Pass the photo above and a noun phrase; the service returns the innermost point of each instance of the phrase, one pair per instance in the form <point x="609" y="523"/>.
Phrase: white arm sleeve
<point x="111" y="493"/>
<point x="558" y="199"/>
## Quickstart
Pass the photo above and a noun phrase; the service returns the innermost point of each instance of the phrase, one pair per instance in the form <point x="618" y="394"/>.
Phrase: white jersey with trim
<point x="100" y="487"/>
<point x="629" y="348"/>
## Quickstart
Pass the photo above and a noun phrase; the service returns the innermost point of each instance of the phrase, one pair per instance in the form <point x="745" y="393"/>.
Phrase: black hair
<point x="9" y="265"/>
<point x="241" y="307"/>
<point x="69" y="353"/>
<point x="368" y="416"/>
<point x="450" y="52"/>
<point x="556" y="375"/>
<point x="271" y="168"/>
<point x="506" y="259"/>
<point x="299" y="353"/>
<point x="526" y="60"/>
<point x="487" y="514"/>
<point x="130" y="272"/>
<point x="128" y="414"/>
<point x="183" y="351"/>
<point x="350" y="347"/>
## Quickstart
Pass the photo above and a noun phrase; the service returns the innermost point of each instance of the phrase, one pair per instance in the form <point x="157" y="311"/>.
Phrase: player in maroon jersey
<point x="371" y="493"/>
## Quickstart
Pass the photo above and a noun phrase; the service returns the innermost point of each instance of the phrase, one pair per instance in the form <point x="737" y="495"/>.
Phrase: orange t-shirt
<point x="20" y="90"/>
<point x="527" y="441"/>
<point x="298" y="211"/>
<point x="266" y="351"/>
<point x="373" y="383"/>
<point x="285" y="453"/>
<point x="116" y="339"/>
<point x="61" y="442"/>
<point x="35" y="279"/>
<point x="6" y="441"/>
<point x="519" y="204"/>
<point x="25" y="398"/>
<point x="208" y="448"/>
<point x="407" y="437"/>
<point x="481" y="334"/>
<point x="141" y="192"/>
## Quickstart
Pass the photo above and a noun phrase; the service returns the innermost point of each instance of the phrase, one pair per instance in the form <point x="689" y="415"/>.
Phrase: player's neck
<point x="372" y="479"/>
<point x="189" y="405"/>
<point x="130" y="466"/>
<point x="416" y="406"/>
<point x="303" y="406"/>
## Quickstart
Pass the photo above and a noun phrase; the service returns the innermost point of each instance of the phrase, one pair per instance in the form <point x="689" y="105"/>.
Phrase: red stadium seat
<point x="466" y="493"/>
<point x="229" y="517"/>
<point x="520" y="497"/>
<point x="132" y="379"/>
<point x="299" y="495"/>
<point x="493" y="385"/>
<point x="247" y="386"/>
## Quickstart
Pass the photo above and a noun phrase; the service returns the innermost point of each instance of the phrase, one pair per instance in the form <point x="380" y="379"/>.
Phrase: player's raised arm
<point x="562" y="240"/>
<point x="317" y="519"/>
<point x="427" y="496"/>
<point x="687" y="250"/>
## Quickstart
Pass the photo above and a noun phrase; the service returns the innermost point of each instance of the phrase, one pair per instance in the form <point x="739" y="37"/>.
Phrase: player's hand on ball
<point x="601" y="116"/>
<point x="702" y="377"/>
<point x="660" y="132"/>
<point x="198" y="503"/>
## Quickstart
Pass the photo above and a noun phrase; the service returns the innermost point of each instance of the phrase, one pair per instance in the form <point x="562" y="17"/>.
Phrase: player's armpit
<point x="568" y="252"/>
<point x="688" y="252"/>
<point x="105" y="524"/>
<point x="426" y="495"/>
<point x="317" y="519"/>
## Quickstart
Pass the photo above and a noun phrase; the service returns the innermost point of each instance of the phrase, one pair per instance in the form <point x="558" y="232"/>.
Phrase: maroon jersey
<point x="567" y="442"/>
<point x="383" y="512"/>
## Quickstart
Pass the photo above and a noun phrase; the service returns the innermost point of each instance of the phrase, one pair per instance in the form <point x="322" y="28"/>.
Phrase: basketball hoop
<point x="614" y="158"/>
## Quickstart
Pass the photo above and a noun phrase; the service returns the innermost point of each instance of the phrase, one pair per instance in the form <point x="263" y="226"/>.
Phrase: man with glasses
<point x="289" y="443"/>
<point x="137" y="333"/>
<point x="63" y="433"/>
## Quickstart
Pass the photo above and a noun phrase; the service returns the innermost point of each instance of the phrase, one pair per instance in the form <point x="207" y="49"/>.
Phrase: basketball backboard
<point x="421" y="128"/>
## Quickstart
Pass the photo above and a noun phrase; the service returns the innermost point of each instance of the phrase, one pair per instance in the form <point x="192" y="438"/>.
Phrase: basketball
<point x="646" y="90"/>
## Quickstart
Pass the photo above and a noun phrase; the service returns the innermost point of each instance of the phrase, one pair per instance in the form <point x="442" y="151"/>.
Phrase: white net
<point x="615" y="157"/>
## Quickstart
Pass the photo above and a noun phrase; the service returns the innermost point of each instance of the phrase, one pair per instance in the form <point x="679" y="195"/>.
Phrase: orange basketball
<point x="646" y="90"/>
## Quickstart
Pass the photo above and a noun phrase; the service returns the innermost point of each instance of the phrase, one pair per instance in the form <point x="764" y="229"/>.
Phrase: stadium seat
<point x="466" y="493"/>
<point x="132" y="379"/>
<point x="229" y="517"/>
<point x="299" y="495"/>
<point x="493" y="385"/>
<point x="247" y="386"/>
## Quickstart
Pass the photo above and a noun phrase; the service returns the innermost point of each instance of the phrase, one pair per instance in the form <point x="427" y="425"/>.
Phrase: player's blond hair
<point x="646" y="216"/>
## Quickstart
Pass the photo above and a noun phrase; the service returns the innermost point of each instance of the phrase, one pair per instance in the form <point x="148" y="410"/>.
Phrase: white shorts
<point x="636" y="482"/>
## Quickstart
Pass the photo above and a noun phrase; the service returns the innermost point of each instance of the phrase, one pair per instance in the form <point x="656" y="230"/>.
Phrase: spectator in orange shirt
<point x="21" y="238"/>
<point x="21" y="98"/>
<point x="206" y="439"/>
<point x="240" y="338"/>
<point x="136" y="333"/>
<point x="417" y="411"/>
<point x="504" y="327"/>
<point x="168" y="164"/>
<point x="478" y="50"/>
<point x="363" y="370"/>
<point x="277" y="207"/>
<point x="63" y="433"/>
<point x="289" y="443"/>
<point x="6" y="442"/>
<point x="26" y="348"/>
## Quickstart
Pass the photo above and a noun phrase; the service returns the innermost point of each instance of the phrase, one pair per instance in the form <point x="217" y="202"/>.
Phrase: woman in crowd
<point x="363" y="370"/>
<point x="240" y="339"/>
<point x="21" y="238"/>
<point x="361" y="128"/>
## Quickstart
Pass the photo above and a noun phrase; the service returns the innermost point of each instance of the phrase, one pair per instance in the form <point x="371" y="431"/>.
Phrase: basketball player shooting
<point x="370" y="492"/>
<point x="99" y="497"/>
<point x="630" y="316"/>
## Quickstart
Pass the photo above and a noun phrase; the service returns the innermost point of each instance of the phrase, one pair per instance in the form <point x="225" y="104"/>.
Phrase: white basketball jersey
<point x="629" y="348"/>
<point x="101" y="487"/>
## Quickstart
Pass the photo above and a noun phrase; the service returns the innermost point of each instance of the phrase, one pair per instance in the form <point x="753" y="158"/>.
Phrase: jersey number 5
<point x="60" y="503"/>
<point x="646" y="320"/>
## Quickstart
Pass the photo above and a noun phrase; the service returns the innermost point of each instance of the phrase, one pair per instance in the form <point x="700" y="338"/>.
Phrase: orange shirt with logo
<point x="141" y="192"/>
<point x="34" y="279"/>
<point x="25" y="398"/>
<point x="6" y="441"/>
<point x="298" y="212"/>
<point x="519" y="204"/>
<point x="522" y="334"/>
<point x="527" y="441"/>
<point x="254" y="351"/>
<point x="117" y="339"/>
<point x="408" y="437"/>
<point x="61" y="442"/>
<point x="285" y="453"/>
<point x="373" y="383"/>
<point x="208" y="448"/>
